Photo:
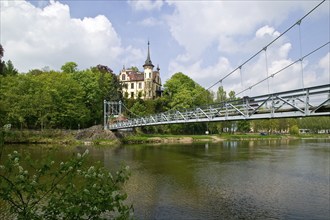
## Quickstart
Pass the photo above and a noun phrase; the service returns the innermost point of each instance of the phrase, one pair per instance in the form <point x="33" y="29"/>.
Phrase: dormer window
<point x="123" y="77"/>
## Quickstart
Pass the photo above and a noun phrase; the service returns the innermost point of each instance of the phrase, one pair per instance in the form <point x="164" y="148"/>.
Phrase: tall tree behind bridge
<point x="2" y="63"/>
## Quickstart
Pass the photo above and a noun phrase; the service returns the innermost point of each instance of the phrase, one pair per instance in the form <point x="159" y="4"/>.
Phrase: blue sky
<point x="203" y="39"/>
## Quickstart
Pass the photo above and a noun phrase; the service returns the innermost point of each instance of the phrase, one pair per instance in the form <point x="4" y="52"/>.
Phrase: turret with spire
<point x="148" y="60"/>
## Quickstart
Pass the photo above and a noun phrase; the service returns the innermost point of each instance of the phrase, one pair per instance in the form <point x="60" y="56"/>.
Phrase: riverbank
<point x="97" y="136"/>
<point x="187" y="139"/>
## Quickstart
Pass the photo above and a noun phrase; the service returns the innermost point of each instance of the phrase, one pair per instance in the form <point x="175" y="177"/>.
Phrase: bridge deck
<point x="312" y="101"/>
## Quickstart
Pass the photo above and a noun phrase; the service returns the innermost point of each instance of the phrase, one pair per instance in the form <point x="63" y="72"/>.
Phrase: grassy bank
<point x="91" y="136"/>
<point x="158" y="138"/>
<point x="39" y="137"/>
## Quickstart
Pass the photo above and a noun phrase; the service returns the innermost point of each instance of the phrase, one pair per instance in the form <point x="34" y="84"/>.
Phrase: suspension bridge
<point x="291" y="103"/>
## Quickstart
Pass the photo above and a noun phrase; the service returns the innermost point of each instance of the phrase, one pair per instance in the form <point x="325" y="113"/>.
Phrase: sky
<point x="205" y="40"/>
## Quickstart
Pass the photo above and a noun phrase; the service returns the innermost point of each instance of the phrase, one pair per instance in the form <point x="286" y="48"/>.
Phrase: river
<point x="264" y="179"/>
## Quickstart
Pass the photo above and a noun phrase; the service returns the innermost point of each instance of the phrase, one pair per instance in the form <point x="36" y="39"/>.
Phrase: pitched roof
<point x="136" y="76"/>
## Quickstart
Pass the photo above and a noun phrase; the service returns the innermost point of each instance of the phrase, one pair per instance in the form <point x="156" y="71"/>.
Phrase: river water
<point x="265" y="179"/>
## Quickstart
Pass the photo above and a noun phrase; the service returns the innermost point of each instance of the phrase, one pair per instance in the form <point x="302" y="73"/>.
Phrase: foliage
<point x="43" y="99"/>
<point x="243" y="126"/>
<point x="1" y="52"/>
<point x="221" y="95"/>
<point x="2" y="63"/>
<point x="52" y="99"/>
<point x="7" y="68"/>
<point x="315" y="123"/>
<point x="294" y="130"/>
<point x="134" y="68"/>
<point x="182" y="92"/>
<point x="69" y="67"/>
<point x="68" y="190"/>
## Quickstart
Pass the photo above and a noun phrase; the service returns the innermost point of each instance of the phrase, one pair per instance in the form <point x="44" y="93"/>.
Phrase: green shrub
<point x="66" y="190"/>
<point x="294" y="130"/>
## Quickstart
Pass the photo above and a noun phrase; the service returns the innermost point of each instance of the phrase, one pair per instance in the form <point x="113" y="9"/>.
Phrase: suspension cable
<point x="253" y="56"/>
<point x="277" y="72"/>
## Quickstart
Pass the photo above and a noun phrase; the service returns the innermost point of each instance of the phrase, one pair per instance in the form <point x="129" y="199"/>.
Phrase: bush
<point x="294" y="130"/>
<point x="66" y="190"/>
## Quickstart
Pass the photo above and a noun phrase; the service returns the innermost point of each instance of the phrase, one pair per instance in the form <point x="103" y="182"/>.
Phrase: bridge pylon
<point x="111" y="111"/>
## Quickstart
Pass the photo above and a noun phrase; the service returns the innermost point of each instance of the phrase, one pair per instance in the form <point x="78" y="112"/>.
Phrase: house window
<point x="140" y="85"/>
<point x="132" y="85"/>
<point x="123" y="77"/>
<point x="149" y="75"/>
<point x="132" y="94"/>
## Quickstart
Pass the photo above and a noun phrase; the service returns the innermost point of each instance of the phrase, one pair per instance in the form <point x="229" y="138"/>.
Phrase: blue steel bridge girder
<point x="312" y="101"/>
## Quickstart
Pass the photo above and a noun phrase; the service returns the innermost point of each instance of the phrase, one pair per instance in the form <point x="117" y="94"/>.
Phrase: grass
<point x="150" y="138"/>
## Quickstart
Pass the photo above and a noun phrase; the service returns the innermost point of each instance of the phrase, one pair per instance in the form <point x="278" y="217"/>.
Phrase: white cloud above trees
<point x="37" y="37"/>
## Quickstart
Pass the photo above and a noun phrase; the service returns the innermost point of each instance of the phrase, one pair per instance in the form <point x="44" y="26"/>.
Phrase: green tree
<point x="44" y="100"/>
<point x="180" y="91"/>
<point x="69" y="67"/>
<point x="2" y="63"/>
<point x="294" y="130"/>
<point x="134" y="68"/>
<point x="138" y="109"/>
<point x="232" y="95"/>
<point x="243" y="126"/>
<point x="221" y="95"/>
<point x="1" y="52"/>
<point x="9" y="69"/>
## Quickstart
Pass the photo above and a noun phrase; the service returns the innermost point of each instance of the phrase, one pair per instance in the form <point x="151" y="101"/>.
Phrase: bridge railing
<point x="312" y="101"/>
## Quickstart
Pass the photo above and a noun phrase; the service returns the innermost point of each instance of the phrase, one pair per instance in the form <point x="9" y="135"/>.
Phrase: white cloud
<point x="36" y="37"/>
<point x="324" y="63"/>
<point x="146" y="5"/>
<point x="196" y="25"/>
<point x="266" y="30"/>
<point x="236" y="29"/>
<point x="150" y="22"/>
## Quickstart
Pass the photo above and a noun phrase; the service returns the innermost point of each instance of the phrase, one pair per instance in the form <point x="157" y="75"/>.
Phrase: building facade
<point x="144" y="85"/>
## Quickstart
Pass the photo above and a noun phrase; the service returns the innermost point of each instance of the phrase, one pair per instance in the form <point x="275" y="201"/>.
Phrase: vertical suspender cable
<point x="301" y="59"/>
<point x="265" y="49"/>
<point x="240" y="72"/>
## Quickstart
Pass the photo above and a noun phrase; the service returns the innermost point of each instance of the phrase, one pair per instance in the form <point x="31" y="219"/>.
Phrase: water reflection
<point x="268" y="179"/>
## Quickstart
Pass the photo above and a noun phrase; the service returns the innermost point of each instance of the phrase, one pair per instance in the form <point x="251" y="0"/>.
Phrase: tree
<point x="1" y="52"/>
<point x="294" y="130"/>
<point x="2" y="63"/>
<point x="182" y="92"/>
<point x="221" y="95"/>
<point x="243" y="126"/>
<point x="9" y="69"/>
<point x="138" y="109"/>
<point x="134" y="68"/>
<point x="97" y="86"/>
<point x="69" y="67"/>
<point x="232" y="95"/>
